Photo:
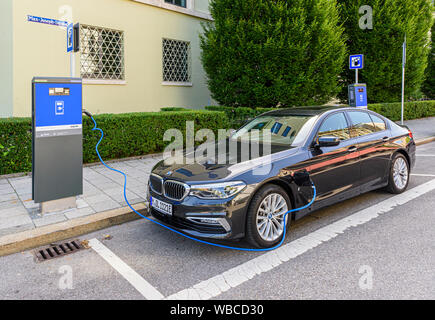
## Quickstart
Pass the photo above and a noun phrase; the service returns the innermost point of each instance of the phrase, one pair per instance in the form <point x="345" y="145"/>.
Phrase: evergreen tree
<point x="382" y="46"/>
<point x="267" y="53"/>
<point x="429" y="84"/>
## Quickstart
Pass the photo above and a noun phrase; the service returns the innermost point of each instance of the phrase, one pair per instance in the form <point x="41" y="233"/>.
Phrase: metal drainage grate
<point x="54" y="251"/>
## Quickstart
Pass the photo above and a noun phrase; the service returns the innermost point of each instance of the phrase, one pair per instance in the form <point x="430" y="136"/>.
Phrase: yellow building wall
<point x="40" y="50"/>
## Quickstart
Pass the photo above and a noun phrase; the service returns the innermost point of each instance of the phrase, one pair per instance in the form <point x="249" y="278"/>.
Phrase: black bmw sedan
<point x="343" y="152"/>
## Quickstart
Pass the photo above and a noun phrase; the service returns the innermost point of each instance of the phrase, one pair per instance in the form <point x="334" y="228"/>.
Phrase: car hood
<point x="210" y="169"/>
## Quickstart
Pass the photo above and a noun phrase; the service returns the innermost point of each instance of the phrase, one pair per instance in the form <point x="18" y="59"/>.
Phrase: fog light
<point x="212" y="221"/>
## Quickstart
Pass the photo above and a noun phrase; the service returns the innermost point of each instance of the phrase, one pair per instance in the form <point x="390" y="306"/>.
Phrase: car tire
<point x="399" y="174"/>
<point x="256" y="232"/>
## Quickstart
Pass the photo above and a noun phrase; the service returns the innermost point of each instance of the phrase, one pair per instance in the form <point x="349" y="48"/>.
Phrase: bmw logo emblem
<point x="169" y="173"/>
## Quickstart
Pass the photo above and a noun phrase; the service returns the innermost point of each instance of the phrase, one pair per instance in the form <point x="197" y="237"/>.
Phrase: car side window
<point x="378" y="122"/>
<point x="362" y="124"/>
<point x="336" y="126"/>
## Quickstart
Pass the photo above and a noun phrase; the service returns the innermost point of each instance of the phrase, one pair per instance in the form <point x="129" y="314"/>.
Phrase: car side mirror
<point x="327" y="141"/>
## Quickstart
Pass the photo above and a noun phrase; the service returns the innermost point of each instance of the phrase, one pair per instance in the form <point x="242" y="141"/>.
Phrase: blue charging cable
<point x="176" y="231"/>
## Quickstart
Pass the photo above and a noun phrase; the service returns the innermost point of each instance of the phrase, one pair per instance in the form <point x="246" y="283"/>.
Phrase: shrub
<point x="126" y="135"/>
<point x="413" y="110"/>
<point x="15" y="145"/>
<point x="171" y="109"/>
<point x="262" y="53"/>
<point x="382" y="46"/>
<point x="429" y="84"/>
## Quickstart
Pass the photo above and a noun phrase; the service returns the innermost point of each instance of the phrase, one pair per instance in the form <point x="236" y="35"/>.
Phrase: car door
<point x="335" y="171"/>
<point x="373" y="144"/>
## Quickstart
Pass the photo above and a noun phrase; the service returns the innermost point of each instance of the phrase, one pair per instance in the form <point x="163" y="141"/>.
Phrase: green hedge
<point x="126" y="135"/>
<point x="15" y="145"/>
<point x="172" y="109"/>
<point x="413" y="110"/>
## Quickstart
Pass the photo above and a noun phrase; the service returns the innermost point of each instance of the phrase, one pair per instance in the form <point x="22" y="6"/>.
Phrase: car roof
<point x="306" y="111"/>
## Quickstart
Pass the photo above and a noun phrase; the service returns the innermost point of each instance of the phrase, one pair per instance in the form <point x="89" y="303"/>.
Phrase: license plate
<point x="161" y="206"/>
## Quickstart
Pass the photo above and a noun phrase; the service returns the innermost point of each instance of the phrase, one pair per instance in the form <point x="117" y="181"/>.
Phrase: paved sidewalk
<point x="102" y="191"/>
<point x="422" y="128"/>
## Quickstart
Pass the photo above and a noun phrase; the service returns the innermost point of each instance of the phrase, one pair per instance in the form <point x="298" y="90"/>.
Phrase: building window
<point x="102" y="53"/>
<point x="180" y="3"/>
<point x="176" y="61"/>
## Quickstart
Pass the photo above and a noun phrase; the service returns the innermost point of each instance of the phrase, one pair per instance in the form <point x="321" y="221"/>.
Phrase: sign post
<point x="70" y="47"/>
<point x="403" y="79"/>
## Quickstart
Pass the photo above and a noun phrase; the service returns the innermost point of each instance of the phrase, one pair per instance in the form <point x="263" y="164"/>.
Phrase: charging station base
<point x="58" y="205"/>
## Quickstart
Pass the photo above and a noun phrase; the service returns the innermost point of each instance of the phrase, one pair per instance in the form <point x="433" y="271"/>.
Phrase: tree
<point x="382" y="45"/>
<point x="429" y="84"/>
<point x="267" y="53"/>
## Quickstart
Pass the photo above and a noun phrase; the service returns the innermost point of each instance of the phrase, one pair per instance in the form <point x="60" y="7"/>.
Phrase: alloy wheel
<point x="270" y="217"/>
<point x="400" y="173"/>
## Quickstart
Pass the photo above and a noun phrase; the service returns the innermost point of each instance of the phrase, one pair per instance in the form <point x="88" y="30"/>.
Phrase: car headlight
<point x="217" y="190"/>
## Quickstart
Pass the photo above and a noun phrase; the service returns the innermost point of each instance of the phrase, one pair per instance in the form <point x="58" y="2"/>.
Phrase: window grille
<point x="102" y="53"/>
<point x="176" y="61"/>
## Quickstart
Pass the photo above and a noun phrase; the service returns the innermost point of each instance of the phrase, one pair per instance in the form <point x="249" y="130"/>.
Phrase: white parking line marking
<point x="141" y="285"/>
<point x="422" y="175"/>
<point x="425" y="155"/>
<point x="236" y="276"/>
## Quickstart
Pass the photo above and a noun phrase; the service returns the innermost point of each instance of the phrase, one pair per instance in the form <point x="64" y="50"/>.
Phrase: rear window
<point x="362" y="124"/>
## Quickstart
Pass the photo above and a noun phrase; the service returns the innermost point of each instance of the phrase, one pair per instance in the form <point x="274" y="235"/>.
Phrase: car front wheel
<point x="267" y="216"/>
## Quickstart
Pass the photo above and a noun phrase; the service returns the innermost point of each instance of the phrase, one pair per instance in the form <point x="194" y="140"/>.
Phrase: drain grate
<point x="54" y="251"/>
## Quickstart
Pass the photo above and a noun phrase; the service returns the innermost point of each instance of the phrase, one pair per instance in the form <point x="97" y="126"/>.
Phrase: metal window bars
<point x="102" y="53"/>
<point x="176" y="61"/>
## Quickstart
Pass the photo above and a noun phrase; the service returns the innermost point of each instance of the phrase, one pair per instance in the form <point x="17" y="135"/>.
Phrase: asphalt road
<point x="390" y="256"/>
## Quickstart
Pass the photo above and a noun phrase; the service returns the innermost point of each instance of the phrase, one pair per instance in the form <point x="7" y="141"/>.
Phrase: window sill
<point x="104" y="82"/>
<point x="177" y="84"/>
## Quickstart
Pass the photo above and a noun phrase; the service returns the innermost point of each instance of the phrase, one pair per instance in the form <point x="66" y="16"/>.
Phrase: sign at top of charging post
<point x="70" y="38"/>
<point x="356" y="61"/>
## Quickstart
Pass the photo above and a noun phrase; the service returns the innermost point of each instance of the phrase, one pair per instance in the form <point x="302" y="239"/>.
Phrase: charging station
<point x="358" y="91"/>
<point x="358" y="95"/>
<point x="57" y="165"/>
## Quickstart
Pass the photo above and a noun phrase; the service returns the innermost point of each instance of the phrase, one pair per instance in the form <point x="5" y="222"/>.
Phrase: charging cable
<point x="176" y="231"/>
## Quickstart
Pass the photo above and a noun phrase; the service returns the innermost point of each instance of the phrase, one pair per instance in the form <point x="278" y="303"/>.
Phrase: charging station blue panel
<point x="58" y="104"/>
<point x="361" y="96"/>
<point x="358" y="95"/>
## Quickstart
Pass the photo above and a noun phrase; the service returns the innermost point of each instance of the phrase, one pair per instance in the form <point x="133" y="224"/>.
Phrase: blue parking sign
<point x="356" y="61"/>
<point x="70" y="38"/>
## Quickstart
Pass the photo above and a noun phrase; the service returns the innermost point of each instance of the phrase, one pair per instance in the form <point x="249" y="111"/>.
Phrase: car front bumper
<point x="213" y="219"/>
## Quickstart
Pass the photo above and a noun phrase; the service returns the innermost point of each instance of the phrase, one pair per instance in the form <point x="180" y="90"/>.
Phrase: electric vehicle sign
<point x="356" y="61"/>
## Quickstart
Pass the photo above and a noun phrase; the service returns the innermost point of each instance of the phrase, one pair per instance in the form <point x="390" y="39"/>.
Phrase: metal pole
<point x="356" y="76"/>
<point x="403" y="79"/>
<point x="72" y="64"/>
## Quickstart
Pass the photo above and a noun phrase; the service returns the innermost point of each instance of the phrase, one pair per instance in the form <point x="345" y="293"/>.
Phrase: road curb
<point x="30" y="239"/>
<point x="424" y="141"/>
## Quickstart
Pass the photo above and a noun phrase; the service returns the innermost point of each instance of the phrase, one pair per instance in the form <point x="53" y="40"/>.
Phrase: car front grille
<point x="156" y="184"/>
<point x="175" y="190"/>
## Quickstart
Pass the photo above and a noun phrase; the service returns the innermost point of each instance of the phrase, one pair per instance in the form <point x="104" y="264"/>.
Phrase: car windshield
<point x="290" y="130"/>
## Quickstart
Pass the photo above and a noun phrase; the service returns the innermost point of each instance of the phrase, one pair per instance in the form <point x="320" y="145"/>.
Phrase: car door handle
<point x="352" y="149"/>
